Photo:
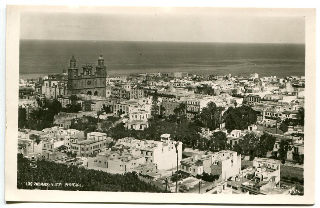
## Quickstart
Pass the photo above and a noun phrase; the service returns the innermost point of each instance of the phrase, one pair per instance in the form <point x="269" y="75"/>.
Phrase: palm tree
<point x="180" y="111"/>
<point x="99" y="112"/>
<point x="278" y="120"/>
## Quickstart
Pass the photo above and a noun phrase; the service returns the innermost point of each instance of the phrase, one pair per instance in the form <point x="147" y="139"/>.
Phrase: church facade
<point x="90" y="81"/>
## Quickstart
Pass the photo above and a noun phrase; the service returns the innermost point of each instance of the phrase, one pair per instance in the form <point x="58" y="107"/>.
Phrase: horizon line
<point x="160" y="41"/>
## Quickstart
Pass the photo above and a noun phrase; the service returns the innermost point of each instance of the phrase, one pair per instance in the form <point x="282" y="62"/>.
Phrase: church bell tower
<point x="72" y="74"/>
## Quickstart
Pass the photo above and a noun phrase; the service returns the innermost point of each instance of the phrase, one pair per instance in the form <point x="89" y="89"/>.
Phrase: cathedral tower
<point x="101" y="74"/>
<point x="72" y="74"/>
<point x="88" y="82"/>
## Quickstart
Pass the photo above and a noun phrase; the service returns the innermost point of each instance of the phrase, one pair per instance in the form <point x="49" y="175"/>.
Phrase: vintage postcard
<point x="167" y="105"/>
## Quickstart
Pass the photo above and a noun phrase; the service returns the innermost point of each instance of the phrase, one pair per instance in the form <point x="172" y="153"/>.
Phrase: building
<point x="224" y="163"/>
<point x="50" y="144"/>
<point x="52" y="88"/>
<point x="95" y="143"/>
<point x="169" y="105"/>
<point x="234" y="137"/>
<point x="136" y="93"/>
<point x="118" y="161"/>
<point x="97" y="136"/>
<point x="92" y="81"/>
<point x="263" y="178"/>
<point x="251" y="99"/>
<point x="130" y="106"/>
<point x="64" y="120"/>
<point x="108" y="91"/>
<point x="119" y="93"/>
<point x="125" y="92"/>
<point x="26" y="92"/>
<point x="130" y="154"/>
<point x="138" y="120"/>
<point x="64" y="100"/>
<point x="28" y="144"/>
<point x="163" y="153"/>
<point x="267" y="170"/>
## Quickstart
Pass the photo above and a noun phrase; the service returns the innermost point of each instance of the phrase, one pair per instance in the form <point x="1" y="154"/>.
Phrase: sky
<point x="162" y="26"/>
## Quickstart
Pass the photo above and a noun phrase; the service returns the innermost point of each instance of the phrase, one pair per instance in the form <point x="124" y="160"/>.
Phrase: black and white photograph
<point x="189" y="101"/>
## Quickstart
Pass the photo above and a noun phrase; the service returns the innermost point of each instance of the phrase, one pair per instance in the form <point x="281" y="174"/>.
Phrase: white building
<point x="129" y="153"/>
<point x="95" y="143"/>
<point x="267" y="170"/>
<point x="97" y="136"/>
<point x="138" y="120"/>
<point x="224" y="163"/>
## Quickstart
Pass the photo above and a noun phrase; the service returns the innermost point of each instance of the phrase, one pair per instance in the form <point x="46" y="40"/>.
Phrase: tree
<point x="292" y="122"/>
<point x="54" y="107"/>
<point x="106" y="125"/>
<point x="248" y="145"/>
<point x="210" y="116"/>
<point x="35" y="138"/>
<point x="86" y="124"/>
<point x="284" y="147"/>
<point x="162" y="110"/>
<point x="297" y="157"/>
<point x="278" y="120"/>
<point x="22" y="118"/>
<point x="40" y="102"/>
<point x="283" y="127"/>
<point x="106" y="109"/>
<point x="42" y="117"/>
<point x="73" y="99"/>
<point x="208" y="177"/>
<point x="205" y="89"/>
<point x="99" y="113"/>
<point x="180" y="112"/>
<point x="87" y="180"/>
<point x="62" y="148"/>
<point x="266" y="143"/>
<point x="218" y="141"/>
<point x="154" y="107"/>
<point x="239" y="118"/>
<point x="119" y="131"/>
<point x="300" y="116"/>
<point x="72" y="108"/>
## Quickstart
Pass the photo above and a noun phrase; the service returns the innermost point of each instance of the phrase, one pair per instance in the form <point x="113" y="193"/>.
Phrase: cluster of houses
<point x="132" y="99"/>
<point x="155" y="160"/>
<point x="273" y="98"/>
<point x="142" y="156"/>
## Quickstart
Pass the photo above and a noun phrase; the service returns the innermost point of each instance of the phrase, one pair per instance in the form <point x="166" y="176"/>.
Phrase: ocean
<point x="41" y="57"/>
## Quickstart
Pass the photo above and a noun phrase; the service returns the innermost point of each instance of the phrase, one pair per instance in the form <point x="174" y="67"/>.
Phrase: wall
<point x="167" y="158"/>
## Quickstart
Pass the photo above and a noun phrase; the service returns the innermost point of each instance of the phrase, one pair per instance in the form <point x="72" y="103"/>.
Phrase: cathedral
<point x="91" y="81"/>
